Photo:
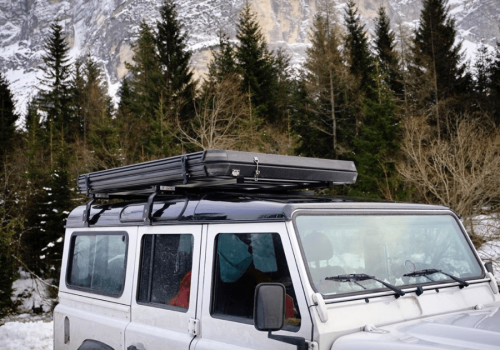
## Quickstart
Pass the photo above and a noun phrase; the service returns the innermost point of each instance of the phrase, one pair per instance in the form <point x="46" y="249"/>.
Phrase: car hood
<point x="475" y="329"/>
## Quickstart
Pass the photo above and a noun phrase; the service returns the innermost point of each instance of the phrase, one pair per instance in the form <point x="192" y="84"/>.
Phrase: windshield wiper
<point x="426" y="272"/>
<point x="355" y="277"/>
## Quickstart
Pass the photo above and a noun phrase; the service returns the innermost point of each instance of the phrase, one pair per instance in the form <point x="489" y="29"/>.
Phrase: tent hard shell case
<point x="217" y="170"/>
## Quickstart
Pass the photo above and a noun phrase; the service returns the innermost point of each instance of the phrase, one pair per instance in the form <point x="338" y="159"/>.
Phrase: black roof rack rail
<point x="217" y="170"/>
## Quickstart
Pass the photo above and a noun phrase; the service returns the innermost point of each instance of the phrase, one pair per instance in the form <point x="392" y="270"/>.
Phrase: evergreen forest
<point x="420" y="122"/>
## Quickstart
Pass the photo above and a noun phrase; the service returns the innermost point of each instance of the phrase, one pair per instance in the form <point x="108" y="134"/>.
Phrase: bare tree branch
<point x="460" y="171"/>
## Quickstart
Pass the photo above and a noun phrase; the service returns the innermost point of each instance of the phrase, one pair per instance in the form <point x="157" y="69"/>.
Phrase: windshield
<point x="385" y="247"/>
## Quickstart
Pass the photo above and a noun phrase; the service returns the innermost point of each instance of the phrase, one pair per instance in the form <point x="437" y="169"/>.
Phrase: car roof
<point x="226" y="207"/>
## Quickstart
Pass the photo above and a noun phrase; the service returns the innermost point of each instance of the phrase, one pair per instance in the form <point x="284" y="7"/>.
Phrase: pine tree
<point x="312" y="142"/>
<point x="56" y="199"/>
<point x="356" y="42"/>
<point x="377" y="148"/>
<point x="438" y="57"/>
<point x="146" y="89"/>
<point x="146" y="77"/>
<point x="97" y="108"/>
<point x="9" y="223"/>
<point x="8" y="117"/>
<point x="223" y="117"/>
<point x="435" y="48"/>
<point x="482" y="82"/>
<point x="7" y="264"/>
<point x="174" y="59"/>
<point x="284" y="85"/>
<point x="327" y="82"/>
<point x="125" y="96"/>
<point x="49" y="196"/>
<point x="482" y="68"/>
<point x="223" y="60"/>
<point x="37" y="179"/>
<point x="77" y="87"/>
<point x="95" y="99"/>
<point x="127" y="124"/>
<point x="55" y="98"/>
<point x="38" y="156"/>
<point x="385" y="47"/>
<point x="50" y="140"/>
<point x="257" y="65"/>
<point x="494" y="85"/>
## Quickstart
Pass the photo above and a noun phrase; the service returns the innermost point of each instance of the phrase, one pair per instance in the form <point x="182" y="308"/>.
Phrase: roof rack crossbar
<point x="148" y="207"/>
<point x="86" y="213"/>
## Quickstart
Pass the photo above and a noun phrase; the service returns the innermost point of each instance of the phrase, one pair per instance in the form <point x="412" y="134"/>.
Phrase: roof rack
<point x="217" y="170"/>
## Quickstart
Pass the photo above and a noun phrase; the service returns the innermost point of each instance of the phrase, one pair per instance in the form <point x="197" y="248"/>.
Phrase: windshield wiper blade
<point x="355" y="277"/>
<point x="426" y="272"/>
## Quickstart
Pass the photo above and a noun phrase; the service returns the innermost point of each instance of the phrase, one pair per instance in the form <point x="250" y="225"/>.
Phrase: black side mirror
<point x="489" y="267"/>
<point x="269" y="307"/>
<point x="269" y="313"/>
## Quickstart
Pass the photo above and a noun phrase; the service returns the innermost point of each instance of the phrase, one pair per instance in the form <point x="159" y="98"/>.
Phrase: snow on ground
<point x="28" y="330"/>
<point x="490" y="251"/>
<point x="488" y="228"/>
<point x="26" y="336"/>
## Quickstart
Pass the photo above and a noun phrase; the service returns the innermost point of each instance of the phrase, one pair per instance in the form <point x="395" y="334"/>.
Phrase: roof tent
<point x="218" y="170"/>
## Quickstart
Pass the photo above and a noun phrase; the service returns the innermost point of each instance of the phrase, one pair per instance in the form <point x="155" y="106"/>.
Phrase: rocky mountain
<point x="106" y="29"/>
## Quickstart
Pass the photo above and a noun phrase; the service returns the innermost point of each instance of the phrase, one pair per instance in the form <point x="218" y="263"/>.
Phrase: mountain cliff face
<point x="106" y="29"/>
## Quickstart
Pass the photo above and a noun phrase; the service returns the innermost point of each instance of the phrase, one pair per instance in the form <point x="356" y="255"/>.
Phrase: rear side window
<point x="165" y="275"/>
<point x="97" y="262"/>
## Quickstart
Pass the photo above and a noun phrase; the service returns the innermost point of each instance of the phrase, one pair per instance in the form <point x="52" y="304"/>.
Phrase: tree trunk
<point x="334" y="120"/>
<point x="435" y="84"/>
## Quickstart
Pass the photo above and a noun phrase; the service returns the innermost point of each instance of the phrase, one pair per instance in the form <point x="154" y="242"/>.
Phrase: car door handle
<point x="139" y="346"/>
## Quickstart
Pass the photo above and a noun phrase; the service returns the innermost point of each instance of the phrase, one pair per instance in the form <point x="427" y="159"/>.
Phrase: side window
<point x="242" y="261"/>
<point x="97" y="262"/>
<point x="165" y="274"/>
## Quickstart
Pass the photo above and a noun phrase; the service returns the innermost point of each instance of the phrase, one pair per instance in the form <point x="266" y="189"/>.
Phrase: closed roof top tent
<point x="218" y="170"/>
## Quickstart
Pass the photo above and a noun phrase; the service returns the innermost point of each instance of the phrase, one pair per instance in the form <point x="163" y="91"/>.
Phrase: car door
<point x="238" y="257"/>
<point x="165" y="289"/>
<point x="95" y="287"/>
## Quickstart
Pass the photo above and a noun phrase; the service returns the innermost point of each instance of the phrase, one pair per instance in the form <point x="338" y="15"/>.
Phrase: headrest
<point x="317" y="247"/>
<point x="234" y="257"/>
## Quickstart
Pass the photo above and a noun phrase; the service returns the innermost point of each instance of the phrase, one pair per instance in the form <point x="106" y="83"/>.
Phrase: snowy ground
<point x="489" y="228"/>
<point x="26" y="335"/>
<point x="28" y="330"/>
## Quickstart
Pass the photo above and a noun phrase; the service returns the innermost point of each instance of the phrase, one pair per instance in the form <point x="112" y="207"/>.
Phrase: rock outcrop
<point x="106" y="29"/>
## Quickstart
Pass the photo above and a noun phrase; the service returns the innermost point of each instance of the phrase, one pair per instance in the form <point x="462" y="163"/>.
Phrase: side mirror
<point x="269" y="313"/>
<point x="269" y="307"/>
<point x="489" y="267"/>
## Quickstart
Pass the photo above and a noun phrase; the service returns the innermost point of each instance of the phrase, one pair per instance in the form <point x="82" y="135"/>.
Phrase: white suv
<point x="248" y="264"/>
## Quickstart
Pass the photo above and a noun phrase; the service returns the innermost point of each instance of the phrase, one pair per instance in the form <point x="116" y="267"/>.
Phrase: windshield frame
<point x="382" y="212"/>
